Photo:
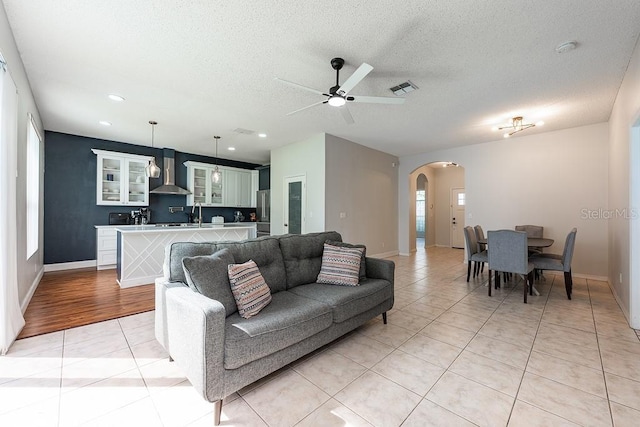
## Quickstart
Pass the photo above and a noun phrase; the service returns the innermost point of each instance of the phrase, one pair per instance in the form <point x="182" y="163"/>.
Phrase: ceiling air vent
<point x="244" y="131"/>
<point x="403" y="88"/>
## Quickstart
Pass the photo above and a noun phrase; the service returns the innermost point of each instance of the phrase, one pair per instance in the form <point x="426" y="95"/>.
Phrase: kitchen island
<point x="140" y="249"/>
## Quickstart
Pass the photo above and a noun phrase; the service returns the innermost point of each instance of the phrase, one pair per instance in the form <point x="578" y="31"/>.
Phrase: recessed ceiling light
<point x="104" y="123"/>
<point x="231" y="148"/>
<point x="115" y="97"/>
<point x="262" y="135"/>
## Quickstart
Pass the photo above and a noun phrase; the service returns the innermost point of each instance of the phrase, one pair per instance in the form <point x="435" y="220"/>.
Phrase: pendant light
<point x="216" y="175"/>
<point x="152" y="170"/>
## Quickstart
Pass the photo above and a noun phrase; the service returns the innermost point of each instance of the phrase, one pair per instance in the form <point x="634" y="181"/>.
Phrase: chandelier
<point x="517" y="125"/>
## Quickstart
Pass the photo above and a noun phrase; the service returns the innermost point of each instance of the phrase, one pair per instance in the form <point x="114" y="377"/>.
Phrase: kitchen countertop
<point x="190" y="227"/>
<point x="159" y="227"/>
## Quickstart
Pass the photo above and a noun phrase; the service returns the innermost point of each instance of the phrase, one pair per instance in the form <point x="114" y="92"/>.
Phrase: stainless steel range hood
<point x="169" y="186"/>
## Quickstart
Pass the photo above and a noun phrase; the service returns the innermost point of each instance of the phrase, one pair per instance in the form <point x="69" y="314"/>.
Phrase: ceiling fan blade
<point x="308" y="89"/>
<point x="346" y="114"/>
<point x="375" y="99"/>
<point x="308" y="106"/>
<point x="355" y="78"/>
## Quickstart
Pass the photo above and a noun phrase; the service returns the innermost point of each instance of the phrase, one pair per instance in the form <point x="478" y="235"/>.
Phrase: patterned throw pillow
<point x="249" y="288"/>
<point x="340" y="265"/>
<point x="363" y="265"/>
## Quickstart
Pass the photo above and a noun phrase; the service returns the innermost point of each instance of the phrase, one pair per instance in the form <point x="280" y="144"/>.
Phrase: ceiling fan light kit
<point x="338" y="95"/>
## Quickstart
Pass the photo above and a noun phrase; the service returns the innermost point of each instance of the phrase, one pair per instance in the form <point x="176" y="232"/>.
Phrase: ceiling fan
<point x="338" y="95"/>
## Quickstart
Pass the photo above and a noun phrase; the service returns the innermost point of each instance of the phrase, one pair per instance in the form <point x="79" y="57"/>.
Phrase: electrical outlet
<point x="343" y="215"/>
<point x="620" y="279"/>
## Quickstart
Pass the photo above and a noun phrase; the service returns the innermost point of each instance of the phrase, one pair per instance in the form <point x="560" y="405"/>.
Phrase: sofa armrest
<point x="195" y="333"/>
<point x="380" y="269"/>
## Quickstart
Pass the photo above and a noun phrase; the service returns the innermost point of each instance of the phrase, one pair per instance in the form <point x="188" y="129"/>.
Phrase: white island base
<point x="141" y="249"/>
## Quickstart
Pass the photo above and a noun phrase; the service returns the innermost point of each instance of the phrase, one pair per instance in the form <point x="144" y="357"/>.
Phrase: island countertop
<point x="184" y="228"/>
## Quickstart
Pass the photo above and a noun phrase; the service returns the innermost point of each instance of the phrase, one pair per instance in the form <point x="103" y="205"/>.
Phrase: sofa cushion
<point x="340" y="265"/>
<point x="287" y="320"/>
<point x="302" y="255"/>
<point x="347" y="301"/>
<point x="249" y="288"/>
<point x="363" y="266"/>
<point x="208" y="275"/>
<point x="265" y="252"/>
<point x="173" y="254"/>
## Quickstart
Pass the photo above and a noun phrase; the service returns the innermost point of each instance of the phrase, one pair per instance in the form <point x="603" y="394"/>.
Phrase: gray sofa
<point x="221" y="352"/>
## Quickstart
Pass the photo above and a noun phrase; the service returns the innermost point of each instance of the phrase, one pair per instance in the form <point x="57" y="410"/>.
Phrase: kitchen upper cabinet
<point x="234" y="189"/>
<point x="203" y="189"/>
<point x="121" y="179"/>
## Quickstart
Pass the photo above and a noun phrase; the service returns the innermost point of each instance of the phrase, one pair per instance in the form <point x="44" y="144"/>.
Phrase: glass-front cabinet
<point x="121" y="179"/>
<point x="235" y="188"/>
<point x="203" y="189"/>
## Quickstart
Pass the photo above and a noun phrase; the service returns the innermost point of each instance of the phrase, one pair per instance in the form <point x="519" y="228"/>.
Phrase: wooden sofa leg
<point x="384" y="317"/>
<point x="217" y="412"/>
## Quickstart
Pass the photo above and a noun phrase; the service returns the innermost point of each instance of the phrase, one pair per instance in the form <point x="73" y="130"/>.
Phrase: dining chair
<point x="472" y="252"/>
<point x="532" y="231"/>
<point x="481" y="246"/>
<point x="508" y="253"/>
<point x="559" y="262"/>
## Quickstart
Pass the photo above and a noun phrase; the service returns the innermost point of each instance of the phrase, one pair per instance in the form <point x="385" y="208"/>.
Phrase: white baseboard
<point x="384" y="254"/>
<point x="32" y="290"/>
<point x="69" y="265"/>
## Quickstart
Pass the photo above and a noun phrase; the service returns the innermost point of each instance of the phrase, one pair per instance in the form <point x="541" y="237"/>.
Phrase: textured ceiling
<point x="202" y="68"/>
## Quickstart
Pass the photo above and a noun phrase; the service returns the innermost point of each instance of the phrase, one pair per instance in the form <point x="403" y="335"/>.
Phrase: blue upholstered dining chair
<point x="508" y="253"/>
<point x="473" y="255"/>
<point x="559" y="262"/>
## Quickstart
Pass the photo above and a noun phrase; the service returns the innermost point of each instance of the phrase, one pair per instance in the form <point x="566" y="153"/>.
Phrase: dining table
<point x="532" y="242"/>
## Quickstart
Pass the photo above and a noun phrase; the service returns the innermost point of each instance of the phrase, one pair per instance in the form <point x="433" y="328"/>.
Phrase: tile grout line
<point x="604" y="377"/>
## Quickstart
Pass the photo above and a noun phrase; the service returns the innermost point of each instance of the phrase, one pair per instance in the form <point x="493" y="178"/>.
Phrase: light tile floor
<point x="449" y="355"/>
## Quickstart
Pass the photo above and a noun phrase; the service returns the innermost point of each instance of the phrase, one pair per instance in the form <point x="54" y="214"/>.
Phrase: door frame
<point x="303" y="202"/>
<point x="452" y="206"/>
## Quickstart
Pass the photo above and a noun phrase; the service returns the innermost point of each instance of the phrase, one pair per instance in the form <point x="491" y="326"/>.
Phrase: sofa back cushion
<point x="265" y="252"/>
<point x="209" y="276"/>
<point x="173" y="254"/>
<point x="302" y="255"/>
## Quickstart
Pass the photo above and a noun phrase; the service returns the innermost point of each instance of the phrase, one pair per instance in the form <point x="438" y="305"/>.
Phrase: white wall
<point x="29" y="270"/>
<point x="624" y="234"/>
<point x="362" y="183"/>
<point x="301" y="158"/>
<point x="545" y="178"/>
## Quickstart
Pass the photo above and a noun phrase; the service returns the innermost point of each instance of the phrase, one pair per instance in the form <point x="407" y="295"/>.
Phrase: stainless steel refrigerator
<point x="264" y="212"/>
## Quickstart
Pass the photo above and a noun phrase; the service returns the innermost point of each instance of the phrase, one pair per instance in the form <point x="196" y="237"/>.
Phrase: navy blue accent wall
<point x="70" y="210"/>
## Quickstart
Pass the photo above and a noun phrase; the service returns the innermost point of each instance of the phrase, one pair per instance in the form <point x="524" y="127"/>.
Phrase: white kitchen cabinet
<point x="238" y="188"/>
<point x="121" y="179"/>
<point x="203" y="189"/>
<point x="106" y="249"/>
<point x="255" y="180"/>
<point x="235" y="188"/>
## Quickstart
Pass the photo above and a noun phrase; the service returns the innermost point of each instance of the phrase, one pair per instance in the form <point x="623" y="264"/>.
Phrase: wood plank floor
<point x="66" y="299"/>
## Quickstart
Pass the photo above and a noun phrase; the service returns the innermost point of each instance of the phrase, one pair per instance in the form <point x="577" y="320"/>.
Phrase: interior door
<point x="294" y="202"/>
<point x="458" y="203"/>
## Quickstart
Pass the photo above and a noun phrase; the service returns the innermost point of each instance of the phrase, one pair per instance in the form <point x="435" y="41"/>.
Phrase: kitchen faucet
<point x="199" y="205"/>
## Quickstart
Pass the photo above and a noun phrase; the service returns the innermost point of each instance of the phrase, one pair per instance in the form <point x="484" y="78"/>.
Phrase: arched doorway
<point x="439" y="179"/>
<point x="422" y="201"/>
